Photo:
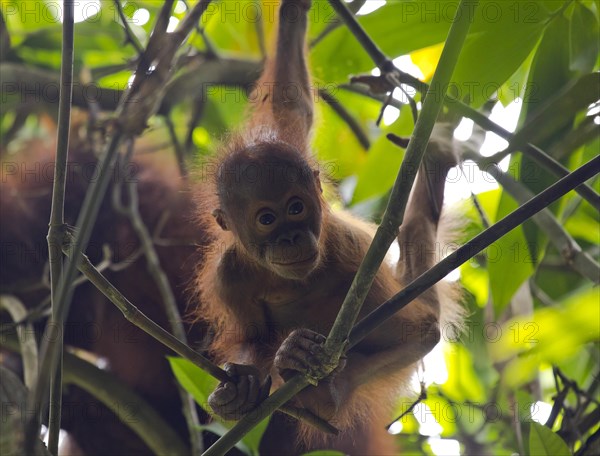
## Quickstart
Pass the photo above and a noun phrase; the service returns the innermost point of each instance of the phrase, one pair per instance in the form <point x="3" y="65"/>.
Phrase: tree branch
<point x="129" y="35"/>
<point x="352" y="123"/>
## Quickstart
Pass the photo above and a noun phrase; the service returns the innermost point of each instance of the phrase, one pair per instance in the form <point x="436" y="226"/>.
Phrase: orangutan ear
<point x="219" y="216"/>
<point x="317" y="177"/>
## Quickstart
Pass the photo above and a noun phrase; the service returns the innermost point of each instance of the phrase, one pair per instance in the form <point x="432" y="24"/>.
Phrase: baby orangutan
<point x="282" y="262"/>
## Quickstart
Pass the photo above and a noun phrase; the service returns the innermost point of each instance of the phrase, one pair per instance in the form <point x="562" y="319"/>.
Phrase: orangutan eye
<point x="296" y="208"/>
<point x="266" y="219"/>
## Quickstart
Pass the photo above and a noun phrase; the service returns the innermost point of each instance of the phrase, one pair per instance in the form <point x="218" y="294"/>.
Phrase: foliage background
<point x="534" y="322"/>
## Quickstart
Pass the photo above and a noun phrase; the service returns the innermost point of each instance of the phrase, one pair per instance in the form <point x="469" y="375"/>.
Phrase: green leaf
<point x="514" y="86"/>
<point x="445" y="413"/>
<point x="544" y="442"/>
<point x="528" y="342"/>
<point x="338" y="56"/>
<point x="233" y="26"/>
<point x="383" y="161"/>
<point x="508" y="33"/>
<point x="549" y="75"/>
<point x="194" y="380"/>
<point x="475" y="279"/>
<point x="224" y="108"/>
<point x="341" y="155"/>
<point x="200" y="384"/>
<point x="253" y="438"/>
<point x="584" y="39"/>
<point x="558" y="111"/>
<point x="583" y="225"/>
<point x="91" y="36"/>
<point x="501" y="37"/>
<point x="249" y="444"/>
<point x="463" y="382"/>
<point x="510" y="253"/>
<point x="550" y="68"/>
<point x="398" y="28"/>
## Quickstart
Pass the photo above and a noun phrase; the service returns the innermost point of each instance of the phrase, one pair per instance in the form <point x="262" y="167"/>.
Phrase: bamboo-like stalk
<point x="394" y="213"/>
<point x="386" y="232"/>
<point x="57" y="213"/>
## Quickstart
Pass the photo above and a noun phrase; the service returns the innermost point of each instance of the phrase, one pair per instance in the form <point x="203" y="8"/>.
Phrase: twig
<point x="589" y="421"/>
<point x="557" y="406"/>
<point x="57" y="215"/>
<point x="540" y="294"/>
<point x="259" y="29"/>
<point x="392" y="77"/>
<point x="386" y="232"/>
<point x="516" y="422"/>
<point x="359" y="33"/>
<point x="574" y="386"/>
<point x="129" y="35"/>
<point x="482" y="215"/>
<point x="591" y="391"/>
<point x="167" y="297"/>
<point x="198" y="106"/>
<point x="352" y="123"/>
<point x="393" y="216"/>
<point x="574" y="139"/>
<point x="417" y="401"/>
<point x="549" y="163"/>
<point x="157" y="38"/>
<point x="355" y="6"/>
<point x="590" y="446"/>
<point x="4" y="38"/>
<point x="384" y="105"/>
<point x="211" y="50"/>
<point x="139" y="319"/>
<point x="179" y="153"/>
